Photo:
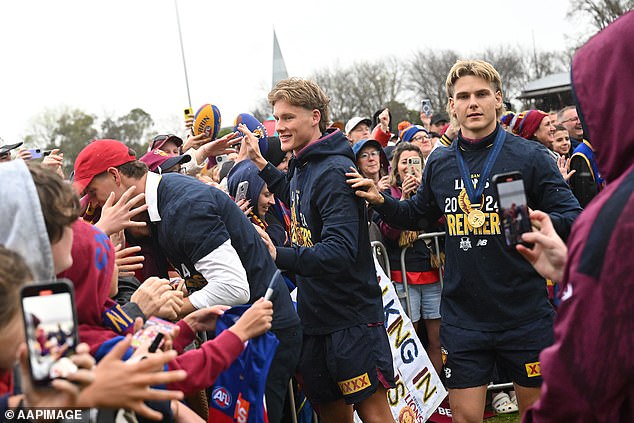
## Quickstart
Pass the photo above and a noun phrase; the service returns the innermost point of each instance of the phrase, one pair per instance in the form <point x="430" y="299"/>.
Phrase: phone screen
<point x="513" y="209"/>
<point x="49" y="322"/>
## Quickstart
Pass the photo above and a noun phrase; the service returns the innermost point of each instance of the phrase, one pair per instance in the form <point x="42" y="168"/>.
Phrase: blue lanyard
<point x="475" y="193"/>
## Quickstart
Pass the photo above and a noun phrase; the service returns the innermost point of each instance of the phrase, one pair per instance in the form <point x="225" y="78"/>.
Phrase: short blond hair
<point x="302" y="93"/>
<point x="478" y="68"/>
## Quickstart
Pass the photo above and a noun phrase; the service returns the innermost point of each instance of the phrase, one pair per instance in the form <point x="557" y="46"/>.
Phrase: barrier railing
<point x="380" y="252"/>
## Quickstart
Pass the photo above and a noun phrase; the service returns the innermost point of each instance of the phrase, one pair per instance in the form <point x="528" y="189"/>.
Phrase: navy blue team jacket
<point x="330" y="253"/>
<point x="487" y="287"/>
<point x="196" y="219"/>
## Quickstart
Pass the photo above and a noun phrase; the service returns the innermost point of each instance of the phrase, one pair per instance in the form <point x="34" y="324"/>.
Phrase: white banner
<point x="418" y="389"/>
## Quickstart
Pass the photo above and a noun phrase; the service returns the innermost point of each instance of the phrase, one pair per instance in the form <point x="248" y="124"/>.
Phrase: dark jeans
<point x="282" y="368"/>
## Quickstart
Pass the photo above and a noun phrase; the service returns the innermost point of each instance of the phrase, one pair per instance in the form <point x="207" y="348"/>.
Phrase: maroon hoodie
<point x="589" y="371"/>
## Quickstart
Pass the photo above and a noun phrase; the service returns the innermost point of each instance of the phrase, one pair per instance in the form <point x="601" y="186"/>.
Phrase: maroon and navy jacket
<point x="588" y="372"/>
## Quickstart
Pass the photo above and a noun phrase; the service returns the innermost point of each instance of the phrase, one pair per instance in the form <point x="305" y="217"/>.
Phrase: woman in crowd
<point x="536" y="125"/>
<point x="372" y="162"/>
<point x="422" y="278"/>
<point x="258" y="201"/>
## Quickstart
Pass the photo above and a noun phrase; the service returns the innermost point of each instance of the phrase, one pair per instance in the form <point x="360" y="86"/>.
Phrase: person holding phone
<point x="40" y="244"/>
<point x="495" y="309"/>
<point x="258" y="200"/>
<point x="588" y="370"/>
<point x="422" y="277"/>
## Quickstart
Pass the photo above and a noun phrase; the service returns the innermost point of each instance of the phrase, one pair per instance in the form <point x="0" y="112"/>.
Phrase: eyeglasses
<point x="421" y="138"/>
<point x="572" y="119"/>
<point x="369" y="154"/>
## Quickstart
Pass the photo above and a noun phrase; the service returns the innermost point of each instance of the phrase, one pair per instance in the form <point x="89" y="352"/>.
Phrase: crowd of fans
<point x="196" y="225"/>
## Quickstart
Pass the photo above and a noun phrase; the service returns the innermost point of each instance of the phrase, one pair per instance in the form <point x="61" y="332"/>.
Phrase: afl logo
<point x="221" y="397"/>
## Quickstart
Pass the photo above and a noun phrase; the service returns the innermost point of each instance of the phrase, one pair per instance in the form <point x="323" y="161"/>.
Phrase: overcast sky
<point x="111" y="56"/>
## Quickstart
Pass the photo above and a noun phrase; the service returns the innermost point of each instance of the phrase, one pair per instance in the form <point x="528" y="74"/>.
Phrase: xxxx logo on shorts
<point x="355" y="384"/>
<point x="532" y="369"/>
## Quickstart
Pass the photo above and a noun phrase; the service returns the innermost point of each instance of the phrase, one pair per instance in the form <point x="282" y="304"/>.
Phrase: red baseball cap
<point x="96" y="158"/>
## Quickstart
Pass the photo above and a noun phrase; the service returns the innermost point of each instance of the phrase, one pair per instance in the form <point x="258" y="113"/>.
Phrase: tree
<point x="43" y="127"/>
<point x="71" y="130"/>
<point x="427" y="72"/>
<point x="262" y="110"/>
<point x="362" y="88"/>
<point x="600" y="12"/>
<point x="512" y="65"/>
<point x="74" y="130"/>
<point x="133" y="129"/>
<point x="400" y="112"/>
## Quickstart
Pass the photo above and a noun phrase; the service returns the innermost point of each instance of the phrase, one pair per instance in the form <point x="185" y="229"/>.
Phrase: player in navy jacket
<point x="346" y="357"/>
<point x="494" y="306"/>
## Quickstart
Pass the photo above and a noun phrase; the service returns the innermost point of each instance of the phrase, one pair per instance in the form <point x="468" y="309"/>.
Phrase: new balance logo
<point x="481" y="243"/>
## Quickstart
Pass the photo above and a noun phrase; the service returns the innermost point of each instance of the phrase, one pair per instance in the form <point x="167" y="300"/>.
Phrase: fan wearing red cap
<point x="97" y="158"/>
<point x="206" y="237"/>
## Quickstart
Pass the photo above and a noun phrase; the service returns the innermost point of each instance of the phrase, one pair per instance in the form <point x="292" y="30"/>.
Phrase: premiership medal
<point x="476" y="218"/>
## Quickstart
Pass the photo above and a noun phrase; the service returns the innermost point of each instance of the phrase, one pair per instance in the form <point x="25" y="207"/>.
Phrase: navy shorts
<point x="348" y="364"/>
<point x="470" y="355"/>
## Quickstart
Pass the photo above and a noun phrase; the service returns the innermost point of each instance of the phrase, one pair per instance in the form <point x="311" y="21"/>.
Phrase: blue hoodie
<point x="330" y="253"/>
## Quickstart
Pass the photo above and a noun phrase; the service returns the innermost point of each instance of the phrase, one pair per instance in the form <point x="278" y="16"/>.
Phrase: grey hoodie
<point x="22" y="227"/>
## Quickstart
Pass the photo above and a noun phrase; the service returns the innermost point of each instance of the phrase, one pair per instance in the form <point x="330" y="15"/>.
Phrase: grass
<point x="504" y="418"/>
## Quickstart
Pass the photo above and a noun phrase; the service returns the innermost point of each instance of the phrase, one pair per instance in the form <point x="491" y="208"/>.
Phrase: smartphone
<point x="50" y="324"/>
<point x="241" y="192"/>
<point x="425" y="107"/>
<point x="512" y="206"/>
<point x="36" y="153"/>
<point x="221" y="158"/>
<point x="188" y="112"/>
<point x="414" y="165"/>
<point x="152" y="333"/>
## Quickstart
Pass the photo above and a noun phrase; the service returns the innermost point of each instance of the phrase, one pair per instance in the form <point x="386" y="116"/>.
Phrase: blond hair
<point x="478" y="68"/>
<point x="302" y="93"/>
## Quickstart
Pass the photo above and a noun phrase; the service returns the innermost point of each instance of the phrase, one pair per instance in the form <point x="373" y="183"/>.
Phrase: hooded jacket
<point x="22" y="227"/>
<point x="331" y="255"/>
<point x="247" y="171"/>
<point x="588" y="372"/>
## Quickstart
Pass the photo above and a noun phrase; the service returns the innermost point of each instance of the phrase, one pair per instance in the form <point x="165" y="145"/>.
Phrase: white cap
<point x="352" y="123"/>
